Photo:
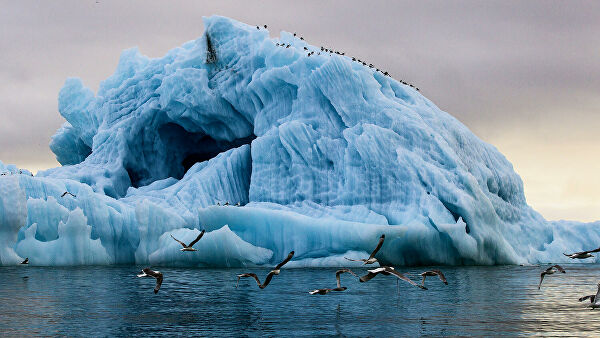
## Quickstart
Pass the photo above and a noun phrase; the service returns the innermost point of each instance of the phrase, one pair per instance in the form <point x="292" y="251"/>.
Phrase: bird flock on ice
<point x="329" y="51"/>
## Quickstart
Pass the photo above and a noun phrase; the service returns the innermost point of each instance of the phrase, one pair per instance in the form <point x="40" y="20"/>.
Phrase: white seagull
<point x="146" y="272"/>
<point x="270" y="275"/>
<point x="371" y="258"/>
<point x="594" y="299"/>
<point x="550" y="271"/>
<point x="388" y="270"/>
<point x="339" y="284"/>
<point x="433" y="273"/>
<point x="188" y="247"/>
<point x="582" y="254"/>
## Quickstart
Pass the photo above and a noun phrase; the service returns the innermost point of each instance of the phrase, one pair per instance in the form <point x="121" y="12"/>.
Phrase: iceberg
<point x="322" y="154"/>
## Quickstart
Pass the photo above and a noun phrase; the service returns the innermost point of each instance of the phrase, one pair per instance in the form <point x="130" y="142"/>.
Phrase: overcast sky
<point x="523" y="76"/>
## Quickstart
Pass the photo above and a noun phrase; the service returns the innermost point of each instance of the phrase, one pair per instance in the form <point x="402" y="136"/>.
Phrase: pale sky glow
<point x="523" y="76"/>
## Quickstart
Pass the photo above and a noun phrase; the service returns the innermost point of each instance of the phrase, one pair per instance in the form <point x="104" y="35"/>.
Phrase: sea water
<point x="110" y="301"/>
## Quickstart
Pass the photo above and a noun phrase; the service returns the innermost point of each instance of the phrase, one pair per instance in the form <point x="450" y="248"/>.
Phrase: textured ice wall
<point x="324" y="153"/>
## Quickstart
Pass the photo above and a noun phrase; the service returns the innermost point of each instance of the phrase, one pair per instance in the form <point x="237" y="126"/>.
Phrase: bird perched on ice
<point x="582" y="254"/>
<point x="67" y="193"/>
<point x="270" y="275"/>
<point x="433" y="273"/>
<point x="339" y="284"/>
<point x="371" y="258"/>
<point x="146" y="272"/>
<point x="188" y="247"/>
<point x="386" y="271"/>
<point x="550" y="271"/>
<point x="594" y="299"/>
<point x="26" y="261"/>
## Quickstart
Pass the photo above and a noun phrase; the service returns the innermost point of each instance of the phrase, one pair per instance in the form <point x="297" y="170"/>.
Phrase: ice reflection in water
<point x="111" y="301"/>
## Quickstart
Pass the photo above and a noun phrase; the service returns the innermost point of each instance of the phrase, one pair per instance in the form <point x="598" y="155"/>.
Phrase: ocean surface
<point x="111" y="301"/>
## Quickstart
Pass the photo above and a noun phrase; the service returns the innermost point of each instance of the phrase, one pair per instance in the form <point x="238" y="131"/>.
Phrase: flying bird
<point x="188" y="247"/>
<point x="26" y="261"/>
<point x="433" y="273"/>
<point x="270" y="275"/>
<point x="550" y="271"/>
<point x="67" y="193"/>
<point x="371" y="258"/>
<point x="582" y="254"/>
<point x="339" y="284"/>
<point x="388" y="270"/>
<point x="594" y="299"/>
<point x="146" y="272"/>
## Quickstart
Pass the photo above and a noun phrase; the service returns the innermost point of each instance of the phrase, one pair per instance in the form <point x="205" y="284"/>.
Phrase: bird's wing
<point x="558" y="267"/>
<point x="339" y="272"/>
<point x="159" y="280"/>
<point x="355" y="260"/>
<point x="567" y="255"/>
<point x="441" y="275"/>
<point x="64" y="193"/>
<point x="595" y="298"/>
<point x="541" y="279"/>
<point x="287" y="259"/>
<point x="253" y="275"/>
<point x="590" y="297"/>
<point x="595" y="250"/>
<point x="370" y="275"/>
<point x="379" y="245"/>
<point x="267" y="280"/>
<point x="180" y="242"/>
<point x="197" y="238"/>
<point x="404" y="278"/>
<point x="151" y="272"/>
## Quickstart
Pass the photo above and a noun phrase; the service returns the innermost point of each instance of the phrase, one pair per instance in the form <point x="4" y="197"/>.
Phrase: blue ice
<point x="323" y="154"/>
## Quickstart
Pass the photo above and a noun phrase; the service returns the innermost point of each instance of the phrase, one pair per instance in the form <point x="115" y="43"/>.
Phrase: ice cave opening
<point x="180" y="149"/>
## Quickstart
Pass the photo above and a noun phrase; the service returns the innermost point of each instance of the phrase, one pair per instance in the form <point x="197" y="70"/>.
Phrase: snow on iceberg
<point x="323" y="154"/>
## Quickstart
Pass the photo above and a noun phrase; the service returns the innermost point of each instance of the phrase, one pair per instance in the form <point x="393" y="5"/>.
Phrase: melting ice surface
<point x="323" y="154"/>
